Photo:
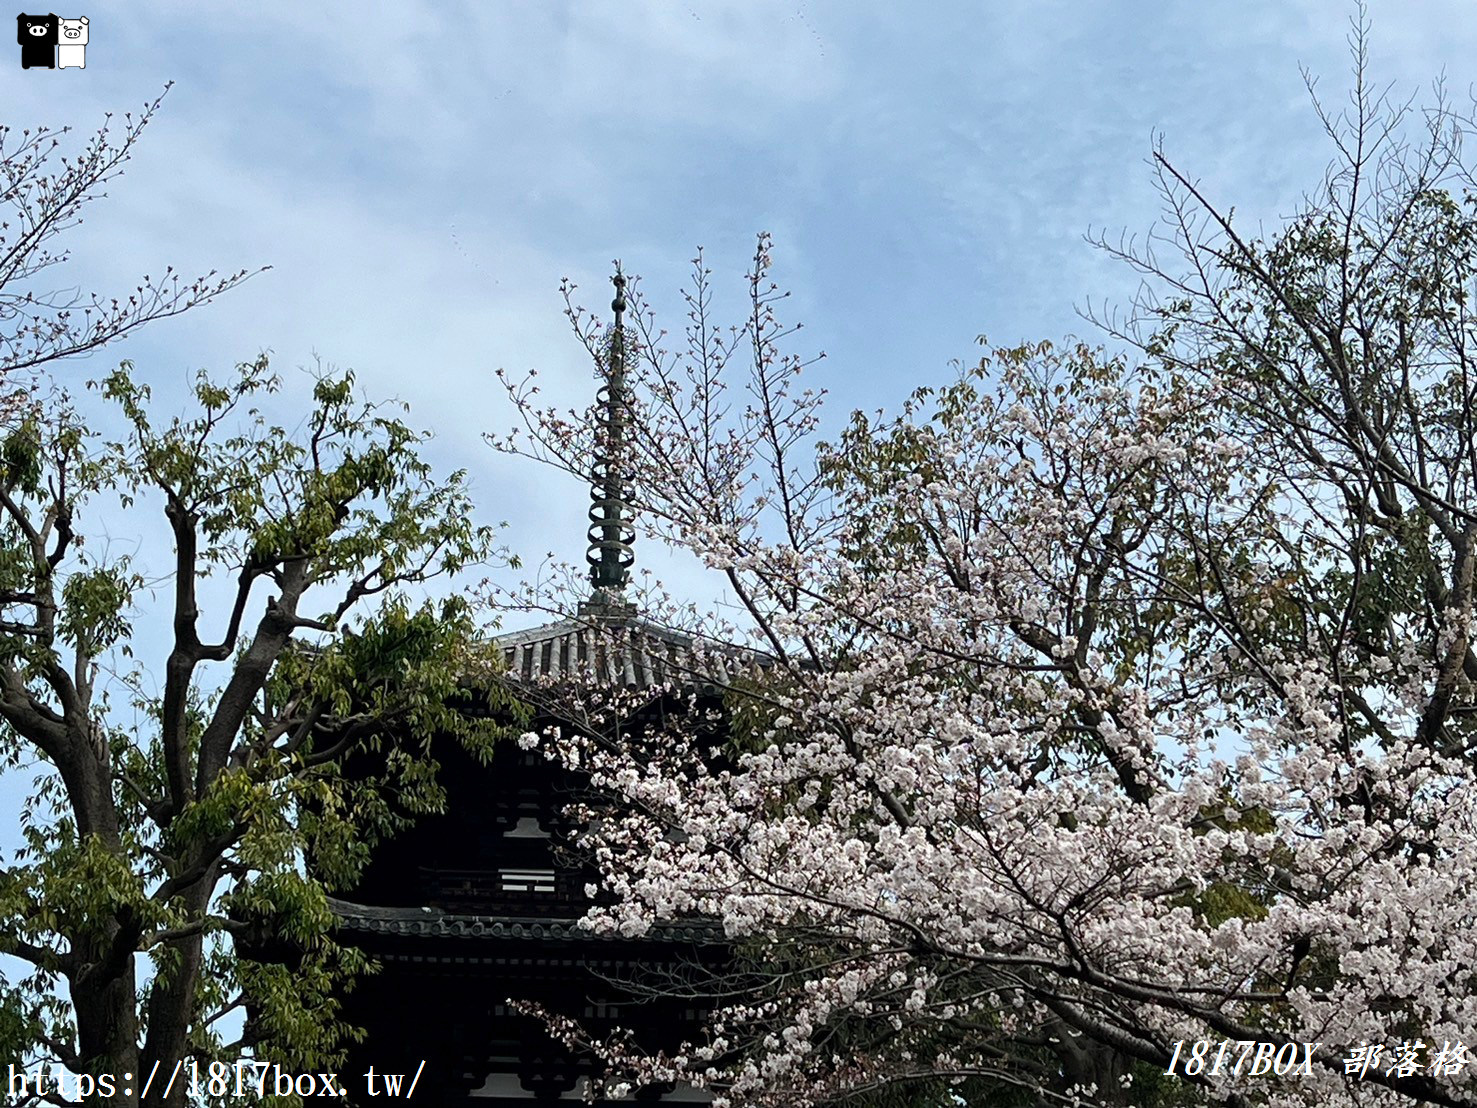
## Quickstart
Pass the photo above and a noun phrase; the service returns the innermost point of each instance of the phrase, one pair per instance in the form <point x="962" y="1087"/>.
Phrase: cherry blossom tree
<point x="1111" y="701"/>
<point x="45" y="184"/>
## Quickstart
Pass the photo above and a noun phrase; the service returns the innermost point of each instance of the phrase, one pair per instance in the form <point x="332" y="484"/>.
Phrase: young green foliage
<point x="190" y="817"/>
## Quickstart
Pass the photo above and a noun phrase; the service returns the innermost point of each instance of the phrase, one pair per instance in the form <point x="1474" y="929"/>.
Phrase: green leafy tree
<point x="188" y="729"/>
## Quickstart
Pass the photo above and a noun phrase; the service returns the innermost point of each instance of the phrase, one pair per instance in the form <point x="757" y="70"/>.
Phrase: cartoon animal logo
<point x="71" y="51"/>
<point x="37" y="35"/>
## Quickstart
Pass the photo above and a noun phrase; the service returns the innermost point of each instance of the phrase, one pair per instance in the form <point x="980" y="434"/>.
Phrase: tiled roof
<point x="431" y="922"/>
<point x="630" y="653"/>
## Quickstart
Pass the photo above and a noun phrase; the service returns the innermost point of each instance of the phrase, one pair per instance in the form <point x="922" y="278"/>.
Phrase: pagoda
<point x="474" y="909"/>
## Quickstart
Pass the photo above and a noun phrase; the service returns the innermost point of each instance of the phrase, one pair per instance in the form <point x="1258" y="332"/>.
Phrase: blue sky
<point x="419" y="177"/>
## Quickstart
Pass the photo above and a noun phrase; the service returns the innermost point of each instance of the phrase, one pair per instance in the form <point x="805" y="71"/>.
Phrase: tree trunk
<point x="107" y="1026"/>
<point x="171" y="1000"/>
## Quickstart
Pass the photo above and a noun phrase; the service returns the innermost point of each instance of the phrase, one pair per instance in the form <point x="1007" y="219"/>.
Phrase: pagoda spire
<point x="611" y="532"/>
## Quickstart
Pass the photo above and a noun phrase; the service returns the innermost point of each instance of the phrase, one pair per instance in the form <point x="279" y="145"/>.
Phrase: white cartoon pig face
<point x="74" y="31"/>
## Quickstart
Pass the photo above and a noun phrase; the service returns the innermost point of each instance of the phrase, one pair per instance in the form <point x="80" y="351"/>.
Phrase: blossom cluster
<point x="1065" y="747"/>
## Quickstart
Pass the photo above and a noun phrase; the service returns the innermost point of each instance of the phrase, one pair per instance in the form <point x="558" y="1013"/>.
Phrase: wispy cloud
<point x="421" y="175"/>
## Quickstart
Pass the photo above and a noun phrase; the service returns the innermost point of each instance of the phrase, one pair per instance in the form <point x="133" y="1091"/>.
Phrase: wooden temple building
<point x="480" y="905"/>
